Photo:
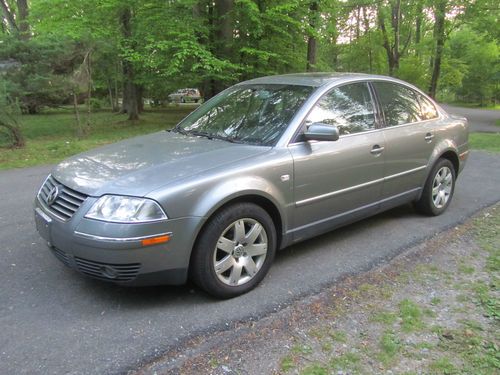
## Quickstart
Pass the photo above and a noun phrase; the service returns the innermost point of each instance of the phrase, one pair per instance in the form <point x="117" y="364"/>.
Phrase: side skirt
<point x="325" y="225"/>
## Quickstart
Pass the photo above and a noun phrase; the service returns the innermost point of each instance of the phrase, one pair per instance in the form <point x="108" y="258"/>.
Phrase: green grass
<point x="287" y="364"/>
<point x="485" y="141"/>
<point x="389" y="347"/>
<point x="411" y="316"/>
<point x="345" y="361"/>
<point x="395" y="332"/>
<point x="51" y="137"/>
<point x="474" y="105"/>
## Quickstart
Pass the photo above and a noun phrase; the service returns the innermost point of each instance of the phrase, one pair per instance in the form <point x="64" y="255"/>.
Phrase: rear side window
<point x="399" y="103"/>
<point x="348" y="107"/>
<point x="429" y="111"/>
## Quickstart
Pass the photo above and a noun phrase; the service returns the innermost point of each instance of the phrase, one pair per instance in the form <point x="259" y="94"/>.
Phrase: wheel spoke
<point x="235" y="273"/>
<point x="250" y="266"/>
<point x="435" y="190"/>
<point x="256" y="249"/>
<point x="447" y="189"/>
<point x="239" y="231"/>
<point x="224" y="264"/>
<point x="447" y="179"/>
<point x="225" y="245"/>
<point x="441" y="198"/>
<point x="253" y="234"/>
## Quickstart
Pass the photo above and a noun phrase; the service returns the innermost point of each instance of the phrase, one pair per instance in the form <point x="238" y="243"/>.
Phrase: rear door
<point x="409" y="138"/>
<point x="336" y="181"/>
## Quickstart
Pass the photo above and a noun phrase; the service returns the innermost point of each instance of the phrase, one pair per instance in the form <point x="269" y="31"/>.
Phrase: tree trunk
<point x="418" y="23"/>
<point x="110" y="95"/>
<point x="79" y="130"/>
<point x="392" y="50"/>
<point x="89" y="94"/>
<point x="311" y="40"/>
<point x="22" y="12"/>
<point x="130" y="105"/>
<point x="439" y="33"/>
<point x="140" y="99"/>
<point x="9" y="16"/>
<point x="223" y="36"/>
<point x="396" y="23"/>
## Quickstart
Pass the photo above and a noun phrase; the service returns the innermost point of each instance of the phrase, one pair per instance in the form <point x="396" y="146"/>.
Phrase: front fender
<point x="245" y="186"/>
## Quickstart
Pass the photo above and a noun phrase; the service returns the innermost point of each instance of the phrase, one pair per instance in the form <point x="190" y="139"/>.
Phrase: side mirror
<point x="321" y="132"/>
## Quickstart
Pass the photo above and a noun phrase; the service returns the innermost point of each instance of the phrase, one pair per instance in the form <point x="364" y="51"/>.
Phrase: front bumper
<point x="114" y="252"/>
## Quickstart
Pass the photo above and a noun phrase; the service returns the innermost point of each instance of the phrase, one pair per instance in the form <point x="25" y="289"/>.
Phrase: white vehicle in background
<point x="185" y="96"/>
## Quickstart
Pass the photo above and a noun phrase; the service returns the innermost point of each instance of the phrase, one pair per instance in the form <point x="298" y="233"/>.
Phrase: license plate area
<point x="42" y="223"/>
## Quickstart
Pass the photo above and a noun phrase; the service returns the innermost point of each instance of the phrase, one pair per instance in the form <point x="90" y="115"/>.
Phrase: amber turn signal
<point x="155" y="240"/>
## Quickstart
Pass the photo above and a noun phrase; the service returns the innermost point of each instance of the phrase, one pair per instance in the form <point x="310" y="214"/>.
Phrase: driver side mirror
<point x="321" y="132"/>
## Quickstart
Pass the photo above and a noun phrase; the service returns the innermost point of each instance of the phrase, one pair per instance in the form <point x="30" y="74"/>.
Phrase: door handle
<point x="377" y="150"/>
<point x="428" y="137"/>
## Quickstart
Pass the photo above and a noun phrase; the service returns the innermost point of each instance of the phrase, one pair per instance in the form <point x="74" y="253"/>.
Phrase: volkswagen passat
<point x="264" y="164"/>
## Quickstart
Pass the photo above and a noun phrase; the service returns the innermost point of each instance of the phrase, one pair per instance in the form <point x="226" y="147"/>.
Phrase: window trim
<point x="378" y="124"/>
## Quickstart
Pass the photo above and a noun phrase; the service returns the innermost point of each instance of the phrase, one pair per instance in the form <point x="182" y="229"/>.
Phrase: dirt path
<point x="433" y="310"/>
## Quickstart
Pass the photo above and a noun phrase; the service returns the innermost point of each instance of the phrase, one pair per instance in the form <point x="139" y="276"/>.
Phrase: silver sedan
<point x="264" y="164"/>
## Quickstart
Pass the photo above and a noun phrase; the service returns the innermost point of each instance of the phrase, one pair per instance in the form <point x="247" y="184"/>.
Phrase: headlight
<point x="121" y="209"/>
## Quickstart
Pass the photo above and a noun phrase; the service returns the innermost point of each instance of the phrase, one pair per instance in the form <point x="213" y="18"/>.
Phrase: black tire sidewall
<point x="202" y="270"/>
<point x="426" y="204"/>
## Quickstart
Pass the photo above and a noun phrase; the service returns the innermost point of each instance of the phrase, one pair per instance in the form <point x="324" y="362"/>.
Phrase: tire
<point x="221" y="263"/>
<point x="438" y="189"/>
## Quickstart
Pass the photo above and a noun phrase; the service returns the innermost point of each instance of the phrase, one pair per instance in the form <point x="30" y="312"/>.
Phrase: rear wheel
<point x="235" y="250"/>
<point x="438" y="189"/>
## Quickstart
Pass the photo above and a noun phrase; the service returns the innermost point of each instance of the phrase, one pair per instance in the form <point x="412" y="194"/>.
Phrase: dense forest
<point x="117" y="53"/>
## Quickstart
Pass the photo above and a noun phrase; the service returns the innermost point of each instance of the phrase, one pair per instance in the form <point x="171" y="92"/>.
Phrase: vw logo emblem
<point x="52" y="196"/>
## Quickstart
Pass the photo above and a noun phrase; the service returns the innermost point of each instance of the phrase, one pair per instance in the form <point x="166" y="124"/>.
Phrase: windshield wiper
<point x="179" y="130"/>
<point x="208" y="135"/>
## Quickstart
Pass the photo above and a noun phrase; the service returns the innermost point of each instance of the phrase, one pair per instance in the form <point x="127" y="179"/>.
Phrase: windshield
<point x="256" y="114"/>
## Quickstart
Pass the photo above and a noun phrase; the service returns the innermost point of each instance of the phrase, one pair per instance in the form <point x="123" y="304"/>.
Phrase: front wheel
<point x="234" y="251"/>
<point x="438" y="189"/>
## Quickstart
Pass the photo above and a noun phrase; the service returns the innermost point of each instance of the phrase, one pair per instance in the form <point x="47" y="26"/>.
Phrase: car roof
<point x="309" y="79"/>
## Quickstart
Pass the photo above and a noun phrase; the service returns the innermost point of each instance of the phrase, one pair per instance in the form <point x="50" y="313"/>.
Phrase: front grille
<point x="108" y="271"/>
<point x="68" y="201"/>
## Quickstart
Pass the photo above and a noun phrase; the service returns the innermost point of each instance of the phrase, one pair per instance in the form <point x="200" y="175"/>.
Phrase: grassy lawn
<point x="441" y="317"/>
<point x="485" y="141"/>
<point x="474" y="105"/>
<point x="51" y="137"/>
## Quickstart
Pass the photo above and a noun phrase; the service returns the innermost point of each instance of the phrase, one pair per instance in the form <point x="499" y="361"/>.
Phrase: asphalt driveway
<point x="481" y="120"/>
<point x="54" y="321"/>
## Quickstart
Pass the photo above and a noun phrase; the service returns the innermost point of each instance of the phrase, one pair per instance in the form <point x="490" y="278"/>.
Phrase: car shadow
<point x="405" y="212"/>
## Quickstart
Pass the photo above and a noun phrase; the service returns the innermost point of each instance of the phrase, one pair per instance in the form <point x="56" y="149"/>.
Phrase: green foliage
<point x="39" y="77"/>
<point x="176" y="44"/>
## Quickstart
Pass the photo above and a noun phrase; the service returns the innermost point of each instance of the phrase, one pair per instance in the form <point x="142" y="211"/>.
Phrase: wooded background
<point x="116" y="53"/>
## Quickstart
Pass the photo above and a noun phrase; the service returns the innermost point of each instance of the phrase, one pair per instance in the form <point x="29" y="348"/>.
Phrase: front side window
<point x="399" y="103"/>
<point x="255" y="114"/>
<point x="348" y="107"/>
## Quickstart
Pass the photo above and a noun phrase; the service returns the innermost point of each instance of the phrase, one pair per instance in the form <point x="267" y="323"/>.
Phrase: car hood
<point x="139" y="165"/>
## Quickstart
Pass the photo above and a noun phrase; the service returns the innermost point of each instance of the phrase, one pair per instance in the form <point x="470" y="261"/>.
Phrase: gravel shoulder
<point x="434" y="309"/>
